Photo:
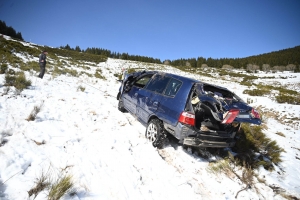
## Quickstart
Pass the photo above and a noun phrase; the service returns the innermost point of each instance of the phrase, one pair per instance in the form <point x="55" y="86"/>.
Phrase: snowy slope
<point x="82" y="133"/>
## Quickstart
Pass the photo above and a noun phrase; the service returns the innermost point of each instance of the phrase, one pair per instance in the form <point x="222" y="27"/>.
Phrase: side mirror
<point x="127" y="88"/>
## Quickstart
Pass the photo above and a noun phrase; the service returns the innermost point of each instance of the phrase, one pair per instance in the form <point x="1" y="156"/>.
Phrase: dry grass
<point x="34" y="112"/>
<point x="42" y="183"/>
<point x="280" y="133"/>
<point x="6" y="90"/>
<point x="61" y="187"/>
<point x="56" y="187"/>
<point x="221" y="166"/>
<point x="81" y="88"/>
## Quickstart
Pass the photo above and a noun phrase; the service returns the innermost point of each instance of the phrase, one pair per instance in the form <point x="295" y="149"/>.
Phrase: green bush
<point x="254" y="148"/>
<point x="19" y="81"/>
<point x="72" y="72"/>
<point x="11" y="72"/>
<point x="30" y="66"/>
<point x="257" y="92"/>
<point x="75" y="55"/>
<point x="280" y="89"/>
<point x="98" y="74"/>
<point x="81" y="88"/>
<point x="82" y="72"/>
<point x="131" y="70"/>
<point x="9" y="80"/>
<point x="119" y="76"/>
<point x="3" y="68"/>
<point x="284" y="98"/>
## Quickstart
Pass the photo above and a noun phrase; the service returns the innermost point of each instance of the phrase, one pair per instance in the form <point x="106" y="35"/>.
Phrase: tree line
<point x="9" y="31"/>
<point x="277" y="60"/>
<point x="112" y="54"/>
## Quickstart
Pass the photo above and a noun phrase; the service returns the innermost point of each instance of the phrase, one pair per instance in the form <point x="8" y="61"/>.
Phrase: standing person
<point x="42" y="62"/>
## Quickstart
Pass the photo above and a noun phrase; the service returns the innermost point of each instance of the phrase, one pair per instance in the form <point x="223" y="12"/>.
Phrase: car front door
<point x="131" y="97"/>
<point x="149" y="97"/>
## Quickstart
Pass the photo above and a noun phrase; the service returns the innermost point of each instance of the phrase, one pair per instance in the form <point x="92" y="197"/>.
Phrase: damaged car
<point x="198" y="114"/>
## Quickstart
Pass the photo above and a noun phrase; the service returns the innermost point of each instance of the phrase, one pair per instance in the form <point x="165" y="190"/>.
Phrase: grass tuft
<point x="61" y="187"/>
<point x="42" y="183"/>
<point x="34" y="112"/>
<point x="81" y="88"/>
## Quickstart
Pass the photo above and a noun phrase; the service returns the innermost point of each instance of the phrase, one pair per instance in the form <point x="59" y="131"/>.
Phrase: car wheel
<point x="121" y="106"/>
<point x="156" y="133"/>
<point x="118" y="96"/>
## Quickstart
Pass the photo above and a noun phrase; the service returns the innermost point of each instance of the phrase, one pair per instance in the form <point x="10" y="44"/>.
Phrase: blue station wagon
<point x="196" y="113"/>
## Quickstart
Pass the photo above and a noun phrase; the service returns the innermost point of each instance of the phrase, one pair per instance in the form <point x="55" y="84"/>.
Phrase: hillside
<point x="68" y="124"/>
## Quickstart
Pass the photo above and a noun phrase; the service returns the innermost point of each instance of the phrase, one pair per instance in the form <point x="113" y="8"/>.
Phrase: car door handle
<point x="136" y="94"/>
<point x="155" y="103"/>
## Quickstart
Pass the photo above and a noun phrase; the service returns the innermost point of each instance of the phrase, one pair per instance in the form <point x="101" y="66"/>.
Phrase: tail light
<point x="255" y="114"/>
<point x="187" y="118"/>
<point x="230" y="116"/>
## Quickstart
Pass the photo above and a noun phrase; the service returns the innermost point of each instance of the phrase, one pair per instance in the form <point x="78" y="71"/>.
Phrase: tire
<point x="121" y="106"/>
<point x="118" y="95"/>
<point x="156" y="133"/>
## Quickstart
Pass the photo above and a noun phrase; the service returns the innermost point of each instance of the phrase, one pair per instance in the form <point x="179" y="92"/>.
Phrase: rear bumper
<point x="191" y="136"/>
<point x="217" y="139"/>
<point x="197" y="142"/>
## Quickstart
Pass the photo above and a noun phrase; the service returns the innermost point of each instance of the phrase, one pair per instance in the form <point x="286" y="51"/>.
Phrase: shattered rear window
<point x="173" y="87"/>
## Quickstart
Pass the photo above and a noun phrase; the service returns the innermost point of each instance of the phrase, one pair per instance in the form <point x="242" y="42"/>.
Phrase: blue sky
<point x="164" y="29"/>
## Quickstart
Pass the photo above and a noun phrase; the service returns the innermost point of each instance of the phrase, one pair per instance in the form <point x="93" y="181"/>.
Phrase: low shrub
<point x="286" y="98"/>
<point x="81" y="88"/>
<point x="21" y="82"/>
<point x="255" y="148"/>
<point x="256" y="92"/>
<point x="9" y="80"/>
<point x="3" y="68"/>
<point x="119" y="76"/>
<point x="11" y="72"/>
<point x="30" y="66"/>
<point x="82" y="72"/>
<point x="72" y="72"/>
<point x="98" y="74"/>
<point x="58" y="71"/>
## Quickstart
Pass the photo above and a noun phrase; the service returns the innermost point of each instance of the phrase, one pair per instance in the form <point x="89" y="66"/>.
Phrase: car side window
<point x="141" y="82"/>
<point x="158" y="83"/>
<point x="173" y="87"/>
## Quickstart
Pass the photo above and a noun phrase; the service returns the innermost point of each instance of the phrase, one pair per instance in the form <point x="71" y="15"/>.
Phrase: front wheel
<point x="156" y="133"/>
<point x="121" y="106"/>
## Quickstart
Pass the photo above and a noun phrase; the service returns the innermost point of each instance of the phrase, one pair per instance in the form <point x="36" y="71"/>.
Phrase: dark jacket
<point x="42" y="57"/>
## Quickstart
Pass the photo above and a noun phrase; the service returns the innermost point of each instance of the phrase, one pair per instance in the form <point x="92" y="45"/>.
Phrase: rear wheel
<point x="156" y="133"/>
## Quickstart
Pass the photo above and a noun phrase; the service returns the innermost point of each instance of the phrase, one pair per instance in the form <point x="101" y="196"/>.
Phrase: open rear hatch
<point x="218" y="115"/>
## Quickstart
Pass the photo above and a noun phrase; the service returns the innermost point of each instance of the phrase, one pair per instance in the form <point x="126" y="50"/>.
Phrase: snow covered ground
<point x="82" y="133"/>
